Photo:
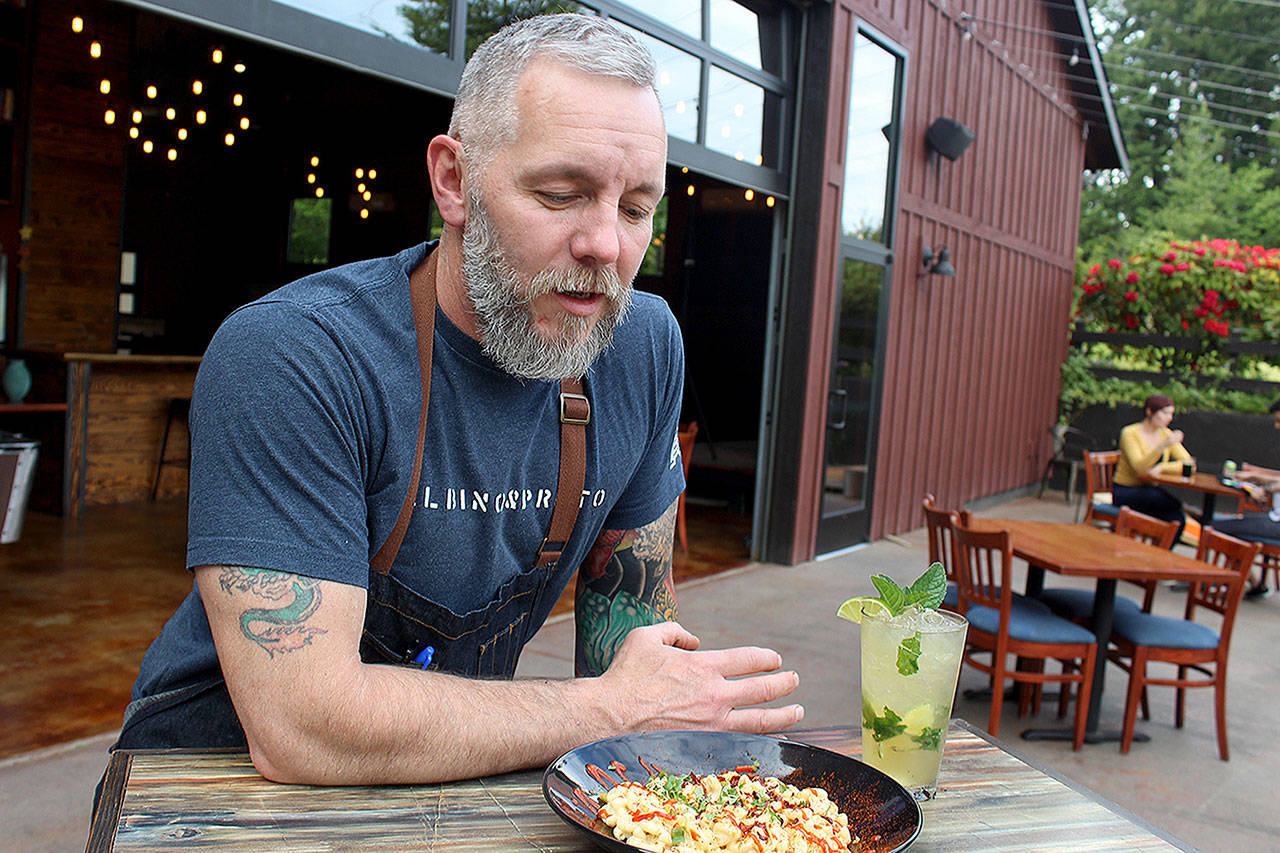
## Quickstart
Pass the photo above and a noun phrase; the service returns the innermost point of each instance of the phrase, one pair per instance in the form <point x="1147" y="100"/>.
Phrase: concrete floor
<point x="1174" y="782"/>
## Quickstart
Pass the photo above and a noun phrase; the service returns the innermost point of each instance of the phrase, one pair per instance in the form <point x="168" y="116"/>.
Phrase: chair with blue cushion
<point x="1144" y="638"/>
<point x="1077" y="604"/>
<point x="1099" y="469"/>
<point x="1000" y="625"/>
<point x="938" y="523"/>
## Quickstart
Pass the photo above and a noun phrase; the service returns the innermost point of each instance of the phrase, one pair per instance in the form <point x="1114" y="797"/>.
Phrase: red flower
<point x="1231" y="304"/>
<point x="1183" y="267"/>
<point x="1170" y="256"/>
<point x="1167" y="269"/>
<point x="1093" y="270"/>
<point x="1186" y="327"/>
<point x="1114" y="263"/>
<point x="1199" y="251"/>
<point x="1201" y="311"/>
<point x="1131" y="321"/>
<point x="1210" y="298"/>
<point x="1130" y="296"/>
<point x="1132" y="278"/>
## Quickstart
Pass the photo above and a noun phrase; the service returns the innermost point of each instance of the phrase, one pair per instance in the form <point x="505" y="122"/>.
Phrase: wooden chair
<point x="685" y="436"/>
<point x="999" y="625"/>
<point x="938" y="523"/>
<point x="1077" y="604"/>
<point x="177" y="410"/>
<point x="1144" y="638"/>
<point x="1099" y="469"/>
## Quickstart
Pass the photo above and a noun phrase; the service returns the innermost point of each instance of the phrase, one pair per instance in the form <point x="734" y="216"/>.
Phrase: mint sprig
<point x="925" y="593"/>
<point x="882" y="727"/>
<point x="909" y="655"/>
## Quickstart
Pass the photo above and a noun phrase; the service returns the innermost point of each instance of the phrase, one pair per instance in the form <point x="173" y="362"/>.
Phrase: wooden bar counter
<point x="117" y="408"/>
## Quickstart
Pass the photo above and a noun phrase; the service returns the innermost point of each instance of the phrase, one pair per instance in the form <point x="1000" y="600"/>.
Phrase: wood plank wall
<point x="76" y="177"/>
<point x="971" y="371"/>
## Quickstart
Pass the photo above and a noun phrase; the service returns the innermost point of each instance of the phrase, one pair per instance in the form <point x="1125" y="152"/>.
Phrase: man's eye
<point x="556" y="198"/>
<point x="636" y="213"/>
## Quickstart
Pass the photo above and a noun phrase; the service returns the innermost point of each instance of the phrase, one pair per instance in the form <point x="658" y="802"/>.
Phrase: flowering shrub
<point x="1208" y="289"/>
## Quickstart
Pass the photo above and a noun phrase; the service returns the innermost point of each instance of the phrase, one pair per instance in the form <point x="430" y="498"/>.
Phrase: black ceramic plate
<point x="881" y="812"/>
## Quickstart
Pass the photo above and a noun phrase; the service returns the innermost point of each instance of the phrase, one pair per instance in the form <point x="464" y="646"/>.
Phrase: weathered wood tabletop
<point x="988" y="799"/>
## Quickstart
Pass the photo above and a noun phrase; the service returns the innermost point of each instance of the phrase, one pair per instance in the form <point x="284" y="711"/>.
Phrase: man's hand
<point x="660" y="680"/>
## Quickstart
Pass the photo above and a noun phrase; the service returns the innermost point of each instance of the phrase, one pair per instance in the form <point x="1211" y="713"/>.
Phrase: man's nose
<point x="597" y="241"/>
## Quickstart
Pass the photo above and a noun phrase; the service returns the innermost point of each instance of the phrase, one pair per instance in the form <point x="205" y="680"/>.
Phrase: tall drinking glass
<point x="910" y="664"/>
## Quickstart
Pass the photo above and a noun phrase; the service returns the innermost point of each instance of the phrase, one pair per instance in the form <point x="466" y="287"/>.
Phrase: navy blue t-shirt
<point x="303" y="426"/>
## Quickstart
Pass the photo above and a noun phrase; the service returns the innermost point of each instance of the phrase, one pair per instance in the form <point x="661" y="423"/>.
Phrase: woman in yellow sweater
<point x="1150" y="446"/>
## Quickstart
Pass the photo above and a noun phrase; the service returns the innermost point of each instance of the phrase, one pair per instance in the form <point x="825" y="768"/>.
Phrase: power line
<point x="1180" y="116"/>
<point x="1211" y="104"/>
<point x="1223" y="65"/>
<point x="965" y="16"/>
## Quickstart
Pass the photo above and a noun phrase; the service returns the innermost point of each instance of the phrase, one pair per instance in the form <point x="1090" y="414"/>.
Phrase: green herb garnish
<point x="909" y="655"/>
<point x="882" y="727"/>
<point x="929" y="738"/>
<point x="677" y="835"/>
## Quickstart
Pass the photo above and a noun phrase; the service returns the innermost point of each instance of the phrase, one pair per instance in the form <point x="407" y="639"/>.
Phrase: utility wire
<point x="1180" y="116"/>
<point x="1274" y="114"/>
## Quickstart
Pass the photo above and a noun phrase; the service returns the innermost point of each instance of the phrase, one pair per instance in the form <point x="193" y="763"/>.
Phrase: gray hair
<point x="484" y="113"/>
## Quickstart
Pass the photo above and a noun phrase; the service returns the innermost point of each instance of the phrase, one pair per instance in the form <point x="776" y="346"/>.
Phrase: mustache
<point x="604" y="280"/>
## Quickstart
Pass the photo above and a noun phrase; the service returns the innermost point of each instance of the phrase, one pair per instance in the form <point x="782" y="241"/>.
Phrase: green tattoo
<point x="284" y="628"/>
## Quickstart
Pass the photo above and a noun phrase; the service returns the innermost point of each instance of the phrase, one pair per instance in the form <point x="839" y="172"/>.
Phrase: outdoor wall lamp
<point x="948" y="137"/>
<point x="938" y="263"/>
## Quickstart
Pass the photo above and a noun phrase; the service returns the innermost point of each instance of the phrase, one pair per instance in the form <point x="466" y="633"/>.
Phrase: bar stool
<point x="179" y="409"/>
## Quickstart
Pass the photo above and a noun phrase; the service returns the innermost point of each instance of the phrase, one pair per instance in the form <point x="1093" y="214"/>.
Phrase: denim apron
<point x="400" y="622"/>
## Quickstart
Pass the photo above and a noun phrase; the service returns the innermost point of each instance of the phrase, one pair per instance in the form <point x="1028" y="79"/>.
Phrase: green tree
<point x="429" y="19"/>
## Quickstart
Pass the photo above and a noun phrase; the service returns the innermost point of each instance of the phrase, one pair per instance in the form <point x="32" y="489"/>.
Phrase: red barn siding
<point x="972" y="362"/>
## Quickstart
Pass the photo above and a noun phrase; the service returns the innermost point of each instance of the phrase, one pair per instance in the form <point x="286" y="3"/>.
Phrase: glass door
<point x="865" y="262"/>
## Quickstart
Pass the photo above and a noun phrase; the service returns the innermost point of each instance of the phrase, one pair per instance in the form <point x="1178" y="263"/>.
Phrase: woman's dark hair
<point x="1156" y="402"/>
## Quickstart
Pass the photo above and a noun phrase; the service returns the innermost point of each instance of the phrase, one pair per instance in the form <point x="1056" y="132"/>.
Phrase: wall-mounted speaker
<point x="949" y="138"/>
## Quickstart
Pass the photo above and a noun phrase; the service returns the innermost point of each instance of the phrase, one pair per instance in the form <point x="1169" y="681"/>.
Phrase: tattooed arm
<point x="624" y="583"/>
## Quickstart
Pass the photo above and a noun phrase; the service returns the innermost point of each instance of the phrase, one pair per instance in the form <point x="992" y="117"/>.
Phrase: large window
<point x="871" y="143"/>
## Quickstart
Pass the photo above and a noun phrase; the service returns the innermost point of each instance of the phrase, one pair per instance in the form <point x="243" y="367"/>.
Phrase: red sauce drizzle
<point x="600" y="776"/>
<point x="620" y="769"/>
<point x="653" y="770"/>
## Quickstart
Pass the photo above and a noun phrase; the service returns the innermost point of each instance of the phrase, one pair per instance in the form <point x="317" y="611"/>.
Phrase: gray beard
<point x="502" y="301"/>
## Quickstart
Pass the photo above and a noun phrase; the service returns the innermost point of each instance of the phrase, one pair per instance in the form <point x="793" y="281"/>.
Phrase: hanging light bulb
<point x="315" y="161"/>
<point x="367" y="195"/>
<point x="229" y="139"/>
<point x="95" y="49"/>
<point x="147" y="146"/>
<point x="769" y="202"/>
<point x="182" y="133"/>
<point x="151" y="92"/>
<point x="311" y="178"/>
<point x="172" y="155"/>
<point x="237" y="99"/>
<point x="217" y="56"/>
<point x="359" y="173"/>
<point x="239" y="67"/>
<point x="244" y="122"/>
<point x="133" y="132"/>
<point x="749" y="195"/>
<point x="359" y="188"/>
<point x="170" y="113"/>
<point x="364" y="213"/>
<point x="319" y="192"/>
<point x="684" y="170"/>
<point x="689" y="189"/>
<point x="196" y="87"/>
<point x="373" y="173"/>
<point x="77" y="24"/>
<point x="200" y="116"/>
<point x="105" y="86"/>
<point x="136" y="116"/>
<point x="109" y="117"/>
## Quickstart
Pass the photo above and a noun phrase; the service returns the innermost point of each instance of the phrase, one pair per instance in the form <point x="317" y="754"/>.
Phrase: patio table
<point x="1207" y="484"/>
<point x="1082" y="550"/>
<point x="988" y="798"/>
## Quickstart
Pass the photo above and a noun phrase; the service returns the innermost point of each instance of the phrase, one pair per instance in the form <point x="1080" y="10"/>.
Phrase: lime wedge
<point x="855" y="607"/>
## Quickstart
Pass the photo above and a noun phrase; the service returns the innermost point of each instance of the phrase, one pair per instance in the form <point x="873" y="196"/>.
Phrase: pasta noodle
<point x="736" y="811"/>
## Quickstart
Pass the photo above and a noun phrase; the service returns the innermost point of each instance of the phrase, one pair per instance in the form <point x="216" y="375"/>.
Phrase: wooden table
<point x="1207" y="484"/>
<point x="988" y="798"/>
<point x="1082" y="550"/>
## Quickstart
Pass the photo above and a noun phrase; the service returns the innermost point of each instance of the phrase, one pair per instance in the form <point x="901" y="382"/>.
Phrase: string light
<point x="152" y="92"/>
<point x="684" y="170"/>
<point x="133" y="132"/>
<point x="373" y="173"/>
<point x="147" y="146"/>
<point x="315" y="161"/>
<point x="229" y="139"/>
<point x="689" y="189"/>
<point x="95" y="49"/>
<point x="239" y="67"/>
<point x="749" y="195"/>
<point x="217" y="56"/>
<point x="77" y="24"/>
<point x="172" y="155"/>
<point x="367" y="195"/>
<point x="105" y="86"/>
<point x="311" y="178"/>
<point x="237" y="99"/>
<point x="196" y="87"/>
<point x="109" y="117"/>
<point x="319" y="192"/>
<point x="769" y="201"/>
<point x="170" y="113"/>
<point x="364" y="213"/>
<point x="359" y="173"/>
<point x="182" y="133"/>
<point x="359" y="188"/>
<point x="244" y="122"/>
<point x="136" y="116"/>
<point x="200" y="116"/>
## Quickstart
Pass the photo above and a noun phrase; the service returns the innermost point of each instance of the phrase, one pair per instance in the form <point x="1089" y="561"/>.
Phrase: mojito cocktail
<point x="910" y="664"/>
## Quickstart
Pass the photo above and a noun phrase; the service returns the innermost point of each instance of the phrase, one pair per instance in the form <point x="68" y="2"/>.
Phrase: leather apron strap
<point x="575" y="414"/>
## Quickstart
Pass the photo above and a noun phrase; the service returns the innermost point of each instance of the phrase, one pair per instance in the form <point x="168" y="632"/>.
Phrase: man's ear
<point x="445" y="168"/>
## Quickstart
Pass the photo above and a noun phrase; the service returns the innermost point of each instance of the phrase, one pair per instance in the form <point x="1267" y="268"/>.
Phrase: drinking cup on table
<point x="1187" y="470"/>
<point x="910" y="665"/>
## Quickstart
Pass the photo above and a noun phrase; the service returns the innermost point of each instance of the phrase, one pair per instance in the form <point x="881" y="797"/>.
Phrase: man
<point x="305" y="443"/>
<point x="1258" y="526"/>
